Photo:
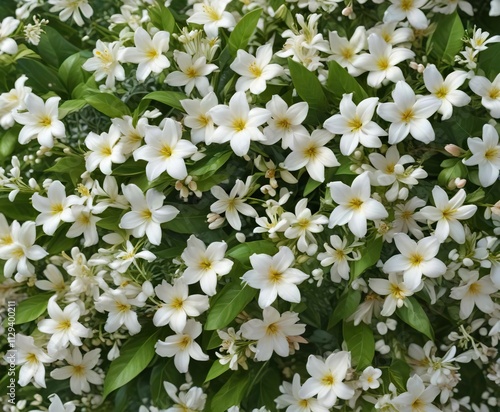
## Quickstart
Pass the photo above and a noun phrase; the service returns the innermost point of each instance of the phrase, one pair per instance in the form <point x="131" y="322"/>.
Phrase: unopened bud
<point x="468" y="262"/>
<point x="240" y="237"/>
<point x="460" y="183"/>
<point x="347" y="11"/>
<point x="454" y="150"/>
<point x="358" y="154"/>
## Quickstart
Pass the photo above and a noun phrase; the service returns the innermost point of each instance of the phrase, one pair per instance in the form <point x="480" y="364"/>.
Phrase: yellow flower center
<point x="166" y="151"/>
<point x="347" y="53"/>
<point x="355" y="203"/>
<point x="407" y="116"/>
<point x="152" y="54"/>
<point x="191" y="72"/>
<point x="106" y="151"/>
<point x="406" y="5"/>
<point x="416" y="259"/>
<point x="45" y="121"/>
<point x="492" y="153"/>
<point x="272" y="329"/>
<point x="284" y="123"/>
<point x="177" y="303"/>
<point x="146" y="214"/>
<point x="474" y="289"/>
<point x="122" y="307"/>
<point x="396" y="291"/>
<point x="56" y="208"/>
<point x="17" y="253"/>
<point x="185" y="342"/>
<point x="494" y="93"/>
<point x="64" y="325"/>
<point x="31" y="358"/>
<point x="204" y="120"/>
<point x="255" y="70"/>
<point x="239" y="124"/>
<point x="205" y="264"/>
<point x="383" y="63"/>
<point x="211" y="13"/>
<point x="311" y="152"/>
<point x="328" y="380"/>
<point x="275" y="276"/>
<point x="442" y="92"/>
<point x="79" y="370"/>
<point x="355" y="124"/>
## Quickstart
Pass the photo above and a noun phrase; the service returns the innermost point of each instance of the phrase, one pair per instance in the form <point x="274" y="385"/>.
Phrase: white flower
<point x="79" y="370"/>
<point x="131" y="136"/>
<point x="63" y="325"/>
<point x="120" y="311"/>
<point x="395" y="290"/>
<point x="480" y="39"/>
<point x="355" y="205"/>
<point x="302" y="225"/>
<point x="404" y="215"/>
<point x="416" y="259"/>
<point x="182" y="346"/>
<point x="238" y="124"/>
<point x="309" y="151"/>
<point x="56" y="404"/>
<point x="106" y="63"/>
<point x="7" y="27"/>
<point x="274" y="276"/>
<point x="125" y="258"/>
<point x="272" y="332"/>
<point x="55" y="280"/>
<point x="489" y="91"/>
<point x="13" y="101"/>
<point x="486" y="155"/>
<point x="285" y="123"/>
<point x="198" y="117"/>
<point x="447" y="214"/>
<point x="233" y="203"/>
<point x="178" y="305"/>
<point x="345" y="52"/>
<point x="41" y="121"/>
<point x="148" y="53"/>
<point x="369" y="379"/>
<point x="449" y="6"/>
<point x="84" y="223"/>
<point x="110" y="192"/>
<point x="191" y="401"/>
<point x="409" y="114"/>
<point x="355" y="124"/>
<point x="73" y="8"/>
<point x="212" y="14"/>
<point x="165" y="150"/>
<point x="32" y="359"/>
<point x="18" y="249"/>
<point x="326" y="378"/>
<point x="382" y="60"/>
<point x="147" y="213"/>
<point x="474" y="292"/>
<point x="336" y="255"/>
<point x="255" y="71"/>
<point x="407" y="9"/>
<point x="194" y="72"/>
<point x="204" y="264"/>
<point x="54" y="208"/>
<point x="393" y="34"/>
<point x="446" y="90"/>
<point x="105" y="150"/>
<point x="417" y="398"/>
<point x="294" y="402"/>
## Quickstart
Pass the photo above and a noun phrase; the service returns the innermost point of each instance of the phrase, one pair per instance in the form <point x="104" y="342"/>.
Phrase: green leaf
<point x="108" y="104"/>
<point x="20" y="209"/>
<point x="399" y="372"/>
<point x="308" y="87"/>
<point x="8" y="141"/>
<point x="360" y="342"/>
<point x="214" y="341"/>
<point x="243" y="31"/>
<point x="71" y="72"/>
<point x="231" y="300"/>
<point x="369" y="258"/>
<point x="71" y="106"/>
<point x="171" y="99"/>
<point x="41" y="78"/>
<point x="340" y="82"/>
<point x="135" y="356"/>
<point x="345" y="306"/>
<point x="446" y="41"/>
<point x="162" y="18"/>
<point x="243" y="251"/>
<point x="216" y="370"/>
<point x="54" y="48"/>
<point x="190" y="220"/>
<point x="414" y="315"/>
<point x="32" y="308"/>
<point x="489" y="61"/>
<point x="210" y="164"/>
<point x="165" y="371"/>
<point x="451" y="173"/>
<point x="68" y="164"/>
<point x="231" y="393"/>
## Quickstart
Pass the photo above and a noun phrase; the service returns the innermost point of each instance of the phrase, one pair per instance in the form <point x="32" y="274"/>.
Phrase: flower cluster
<point x="216" y="205"/>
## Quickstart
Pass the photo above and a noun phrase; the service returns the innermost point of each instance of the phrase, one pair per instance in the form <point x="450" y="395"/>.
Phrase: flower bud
<point x="454" y="150"/>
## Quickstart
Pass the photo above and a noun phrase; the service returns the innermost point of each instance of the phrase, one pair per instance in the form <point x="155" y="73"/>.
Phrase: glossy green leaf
<point x="243" y="251"/>
<point x="108" y="104"/>
<point x="210" y="164"/>
<point x="231" y="300"/>
<point x="71" y="72"/>
<point x="41" y="78"/>
<point x="340" y="82"/>
<point x="171" y="99"/>
<point x="71" y="106"/>
<point x="162" y="18"/>
<point x="399" y="372"/>
<point x="54" y="48"/>
<point x="361" y="343"/>
<point x="308" y="87"/>
<point x="68" y="164"/>
<point x="135" y="356"/>
<point x="32" y="308"/>
<point x="369" y="258"/>
<point x="231" y="393"/>
<point x="8" y="141"/>
<point x="345" y="306"/>
<point x="415" y="316"/>
<point x="243" y="31"/>
<point x="216" y="370"/>
<point x="446" y="41"/>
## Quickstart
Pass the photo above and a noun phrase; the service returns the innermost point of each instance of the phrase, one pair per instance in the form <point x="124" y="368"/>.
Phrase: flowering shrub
<point x="250" y="205"/>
